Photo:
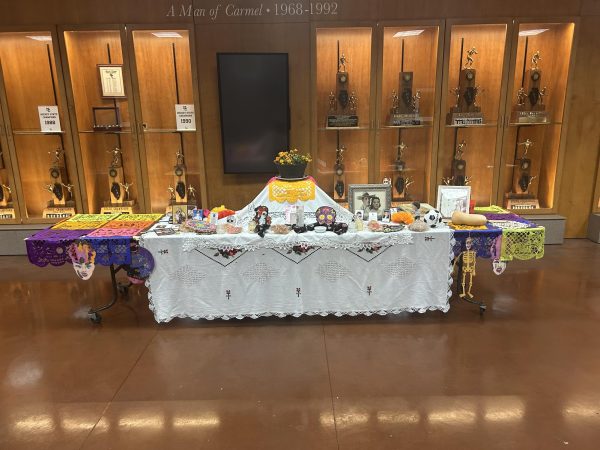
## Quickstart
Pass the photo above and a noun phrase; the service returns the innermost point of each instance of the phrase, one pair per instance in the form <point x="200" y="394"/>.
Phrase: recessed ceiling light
<point x="408" y="33"/>
<point x="167" y="34"/>
<point x="40" y="38"/>
<point x="532" y="32"/>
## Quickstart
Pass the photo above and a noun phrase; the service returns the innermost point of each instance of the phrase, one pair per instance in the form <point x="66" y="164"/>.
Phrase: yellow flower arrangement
<point x="291" y="157"/>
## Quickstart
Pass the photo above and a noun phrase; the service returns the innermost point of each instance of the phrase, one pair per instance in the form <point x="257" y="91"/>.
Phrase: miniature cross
<point x="535" y="59"/>
<point x="470" y="54"/>
<point x="528" y="144"/>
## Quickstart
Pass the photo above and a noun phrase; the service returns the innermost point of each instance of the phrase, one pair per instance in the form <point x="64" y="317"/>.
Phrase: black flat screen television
<point x="255" y="113"/>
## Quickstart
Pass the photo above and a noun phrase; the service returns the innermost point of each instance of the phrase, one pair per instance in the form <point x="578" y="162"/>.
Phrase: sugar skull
<point x="83" y="257"/>
<point x="325" y="215"/>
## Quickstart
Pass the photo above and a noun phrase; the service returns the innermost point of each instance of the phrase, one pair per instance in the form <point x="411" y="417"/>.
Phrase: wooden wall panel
<point x="235" y="190"/>
<point x="583" y="135"/>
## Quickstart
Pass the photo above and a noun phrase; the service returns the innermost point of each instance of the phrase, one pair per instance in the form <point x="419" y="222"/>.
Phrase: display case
<point x="168" y="113"/>
<point x="9" y="207"/>
<point x="100" y="91"/>
<point x="343" y="104"/>
<point x="36" y="145"/>
<point x="409" y="73"/>
<point x="535" y="111"/>
<point x="473" y="95"/>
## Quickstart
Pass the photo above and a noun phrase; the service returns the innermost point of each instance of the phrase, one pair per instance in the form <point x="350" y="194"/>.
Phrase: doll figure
<point x="262" y="220"/>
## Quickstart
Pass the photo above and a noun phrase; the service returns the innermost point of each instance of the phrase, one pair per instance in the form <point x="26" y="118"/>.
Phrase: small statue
<point x="407" y="182"/>
<point x="339" y="155"/>
<point x="261" y="220"/>
<point x="527" y="144"/>
<point x="116" y="157"/>
<point x="6" y="188"/>
<point x="353" y="100"/>
<point x="531" y="180"/>
<point x="49" y="188"/>
<point x="468" y="180"/>
<point x="180" y="159"/>
<point x="535" y="59"/>
<point x="543" y="93"/>
<point x="342" y="63"/>
<point x="401" y="147"/>
<point x="476" y="91"/>
<point x="468" y="259"/>
<point x="460" y="149"/>
<point x="191" y="191"/>
<point x="448" y="181"/>
<point x="332" y="102"/>
<point x="470" y="54"/>
<point x="416" y="100"/>
<point x="171" y="190"/>
<point x="521" y="96"/>
<point x="126" y="187"/>
<point x="69" y="188"/>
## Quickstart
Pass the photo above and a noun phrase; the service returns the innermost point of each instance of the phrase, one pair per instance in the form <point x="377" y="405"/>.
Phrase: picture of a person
<point x="366" y="203"/>
<point x="376" y="206"/>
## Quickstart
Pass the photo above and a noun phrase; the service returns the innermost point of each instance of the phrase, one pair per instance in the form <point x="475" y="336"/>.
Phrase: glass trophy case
<point x="535" y="108"/>
<point x="36" y="147"/>
<point x="98" y="76"/>
<point x="344" y="94"/>
<point x="472" y="102"/>
<point x="408" y="108"/>
<point x="166" y="107"/>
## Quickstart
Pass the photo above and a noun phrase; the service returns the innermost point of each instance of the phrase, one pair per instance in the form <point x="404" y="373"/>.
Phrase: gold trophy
<point x="61" y="204"/>
<point x="342" y="104"/>
<point x="466" y="111"/>
<point x="459" y="168"/>
<point x="405" y="105"/>
<point x="521" y="198"/>
<point x="120" y="202"/>
<point x="530" y="107"/>
<point x="183" y="195"/>
<point x="7" y="211"/>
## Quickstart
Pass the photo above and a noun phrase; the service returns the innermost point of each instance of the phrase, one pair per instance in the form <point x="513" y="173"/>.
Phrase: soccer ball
<point x="432" y="218"/>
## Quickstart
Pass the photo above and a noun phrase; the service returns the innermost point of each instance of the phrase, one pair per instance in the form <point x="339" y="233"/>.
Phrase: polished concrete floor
<point x="526" y="376"/>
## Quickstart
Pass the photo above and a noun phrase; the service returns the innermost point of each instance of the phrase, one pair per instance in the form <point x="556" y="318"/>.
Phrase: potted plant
<point x="291" y="164"/>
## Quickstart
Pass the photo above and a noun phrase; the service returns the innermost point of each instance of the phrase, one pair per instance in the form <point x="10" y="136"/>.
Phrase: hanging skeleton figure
<point x="468" y="261"/>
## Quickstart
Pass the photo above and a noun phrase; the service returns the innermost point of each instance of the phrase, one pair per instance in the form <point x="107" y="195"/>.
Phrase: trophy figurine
<point x="521" y="198"/>
<point x="339" y="180"/>
<point x="405" y="106"/>
<point x="466" y="111"/>
<point x="120" y="201"/>
<point x="342" y="104"/>
<point x="530" y="107"/>
<point x="401" y="181"/>
<point x="61" y="204"/>
<point x="183" y="195"/>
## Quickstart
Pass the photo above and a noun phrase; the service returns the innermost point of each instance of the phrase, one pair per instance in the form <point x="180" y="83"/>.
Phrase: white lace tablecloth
<point x="237" y="276"/>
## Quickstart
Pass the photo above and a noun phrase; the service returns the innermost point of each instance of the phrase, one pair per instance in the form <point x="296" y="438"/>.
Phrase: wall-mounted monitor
<point x="255" y="113"/>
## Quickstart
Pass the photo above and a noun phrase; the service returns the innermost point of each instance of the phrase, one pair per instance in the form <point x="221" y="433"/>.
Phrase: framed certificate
<point x="111" y="80"/>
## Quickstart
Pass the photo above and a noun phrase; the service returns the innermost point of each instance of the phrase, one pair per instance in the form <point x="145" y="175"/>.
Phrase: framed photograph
<point x="111" y="80"/>
<point x="370" y="198"/>
<point x="453" y="198"/>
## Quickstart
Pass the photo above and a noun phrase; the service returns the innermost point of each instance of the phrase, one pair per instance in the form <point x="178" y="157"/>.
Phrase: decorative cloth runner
<point x="285" y="191"/>
<point x="523" y="243"/>
<point x="84" y="222"/>
<point x="485" y="242"/>
<point x="50" y="246"/>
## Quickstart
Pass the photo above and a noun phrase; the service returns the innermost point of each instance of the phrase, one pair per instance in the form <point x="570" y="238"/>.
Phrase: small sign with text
<point x="186" y="117"/>
<point x="49" y="120"/>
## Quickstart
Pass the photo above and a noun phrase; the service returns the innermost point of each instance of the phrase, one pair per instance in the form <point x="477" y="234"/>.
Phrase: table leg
<point x="93" y="314"/>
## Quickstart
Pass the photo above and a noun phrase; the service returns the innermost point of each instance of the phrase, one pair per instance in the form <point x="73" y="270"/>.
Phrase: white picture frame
<point x="453" y="198"/>
<point x="111" y="80"/>
<point x="370" y="198"/>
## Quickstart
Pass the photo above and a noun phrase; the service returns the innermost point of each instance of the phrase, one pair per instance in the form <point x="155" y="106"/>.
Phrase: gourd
<point x="461" y="218"/>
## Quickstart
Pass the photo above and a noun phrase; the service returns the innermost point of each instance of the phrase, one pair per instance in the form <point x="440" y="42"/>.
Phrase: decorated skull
<point x="432" y="218"/>
<point x="83" y="257"/>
